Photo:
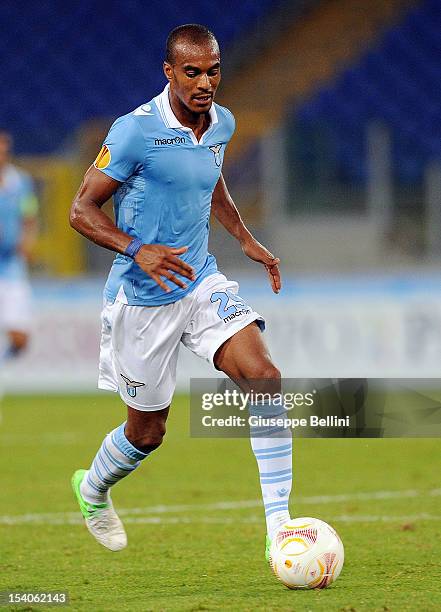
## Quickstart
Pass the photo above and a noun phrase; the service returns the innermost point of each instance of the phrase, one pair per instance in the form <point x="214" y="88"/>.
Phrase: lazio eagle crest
<point x="216" y="149"/>
<point x="131" y="385"/>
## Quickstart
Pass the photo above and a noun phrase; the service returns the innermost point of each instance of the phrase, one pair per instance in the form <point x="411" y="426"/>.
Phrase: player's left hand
<point x="257" y="252"/>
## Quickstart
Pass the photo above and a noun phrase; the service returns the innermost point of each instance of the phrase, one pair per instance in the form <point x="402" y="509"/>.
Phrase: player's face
<point x="195" y="76"/>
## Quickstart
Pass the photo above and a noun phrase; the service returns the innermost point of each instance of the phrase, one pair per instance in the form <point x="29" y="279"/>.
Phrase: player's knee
<point x="266" y="371"/>
<point x="148" y="440"/>
<point x="265" y="378"/>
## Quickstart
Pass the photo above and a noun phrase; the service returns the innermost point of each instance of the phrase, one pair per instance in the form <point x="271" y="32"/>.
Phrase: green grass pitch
<point x="192" y="545"/>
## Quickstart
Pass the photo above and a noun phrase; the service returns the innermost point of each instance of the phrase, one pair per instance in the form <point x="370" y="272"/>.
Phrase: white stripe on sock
<point x="109" y="466"/>
<point x="272" y="448"/>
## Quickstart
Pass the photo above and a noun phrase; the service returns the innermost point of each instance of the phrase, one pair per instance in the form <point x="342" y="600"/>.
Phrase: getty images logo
<point x="169" y="141"/>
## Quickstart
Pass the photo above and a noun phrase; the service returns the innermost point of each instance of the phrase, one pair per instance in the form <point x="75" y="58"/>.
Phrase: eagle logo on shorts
<point x="215" y="149"/>
<point x="131" y="385"/>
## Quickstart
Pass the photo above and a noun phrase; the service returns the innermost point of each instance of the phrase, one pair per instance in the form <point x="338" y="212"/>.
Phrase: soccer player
<point x="162" y="163"/>
<point x="18" y="232"/>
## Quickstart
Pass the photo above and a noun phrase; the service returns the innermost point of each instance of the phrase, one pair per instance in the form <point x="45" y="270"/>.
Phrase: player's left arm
<point x="225" y="211"/>
<point x="29" y="223"/>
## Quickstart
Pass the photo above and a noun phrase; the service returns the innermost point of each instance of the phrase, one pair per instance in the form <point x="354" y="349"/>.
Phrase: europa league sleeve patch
<point x="103" y="158"/>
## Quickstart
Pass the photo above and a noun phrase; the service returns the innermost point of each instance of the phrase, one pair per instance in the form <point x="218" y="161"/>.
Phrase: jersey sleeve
<point x="230" y="123"/>
<point x="123" y="149"/>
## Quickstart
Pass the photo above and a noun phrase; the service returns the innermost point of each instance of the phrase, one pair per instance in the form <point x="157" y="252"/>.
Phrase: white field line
<point x="344" y="518"/>
<point x="140" y="515"/>
<point x="222" y="520"/>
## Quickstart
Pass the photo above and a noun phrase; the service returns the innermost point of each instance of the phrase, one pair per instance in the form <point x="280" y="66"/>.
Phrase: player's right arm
<point x="123" y="147"/>
<point x="88" y="219"/>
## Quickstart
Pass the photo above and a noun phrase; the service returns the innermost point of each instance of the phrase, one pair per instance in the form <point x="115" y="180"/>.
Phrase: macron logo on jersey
<point x="169" y="141"/>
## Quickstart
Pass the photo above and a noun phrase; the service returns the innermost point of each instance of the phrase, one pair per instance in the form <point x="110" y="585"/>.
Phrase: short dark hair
<point x="192" y="33"/>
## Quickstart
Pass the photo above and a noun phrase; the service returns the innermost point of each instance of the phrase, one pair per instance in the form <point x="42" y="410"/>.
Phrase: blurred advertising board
<point x="344" y="327"/>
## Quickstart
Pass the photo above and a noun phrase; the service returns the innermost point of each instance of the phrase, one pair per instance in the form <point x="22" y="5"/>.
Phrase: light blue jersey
<point x="17" y="201"/>
<point x="168" y="178"/>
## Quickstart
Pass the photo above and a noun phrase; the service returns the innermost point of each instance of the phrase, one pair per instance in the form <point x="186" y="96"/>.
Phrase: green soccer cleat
<point x="101" y="519"/>
<point x="267" y="549"/>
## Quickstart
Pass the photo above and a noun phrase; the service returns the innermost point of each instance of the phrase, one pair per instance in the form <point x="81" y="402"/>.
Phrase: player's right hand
<point x="159" y="260"/>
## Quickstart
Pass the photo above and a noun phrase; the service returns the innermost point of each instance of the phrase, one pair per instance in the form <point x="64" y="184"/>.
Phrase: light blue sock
<point x="116" y="459"/>
<point x="272" y="447"/>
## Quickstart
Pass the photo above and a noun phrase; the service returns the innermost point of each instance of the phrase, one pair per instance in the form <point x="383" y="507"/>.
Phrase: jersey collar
<point x="168" y="116"/>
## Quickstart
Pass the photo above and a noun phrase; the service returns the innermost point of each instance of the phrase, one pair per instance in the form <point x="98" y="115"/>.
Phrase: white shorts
<point x="15" y="305"/>
<point x="140" y="344"/>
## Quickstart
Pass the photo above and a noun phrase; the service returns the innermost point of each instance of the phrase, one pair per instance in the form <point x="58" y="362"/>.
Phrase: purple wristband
<point x="133" y="247"/>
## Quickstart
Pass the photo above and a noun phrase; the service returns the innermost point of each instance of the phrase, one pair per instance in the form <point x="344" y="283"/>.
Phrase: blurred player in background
<point x="162" y="163"/>
<point x="18" y="232"/>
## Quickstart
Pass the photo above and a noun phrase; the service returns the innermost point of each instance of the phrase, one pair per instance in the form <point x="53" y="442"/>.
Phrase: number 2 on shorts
<point x="224" y="310"/>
